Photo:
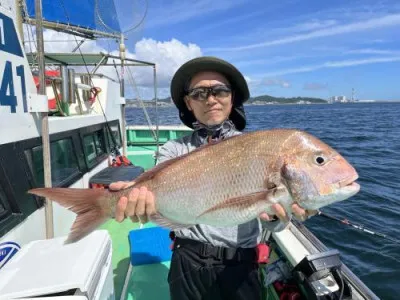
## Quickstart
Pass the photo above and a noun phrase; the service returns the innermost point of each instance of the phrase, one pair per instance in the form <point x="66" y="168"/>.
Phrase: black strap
<point x="222" y="253"/>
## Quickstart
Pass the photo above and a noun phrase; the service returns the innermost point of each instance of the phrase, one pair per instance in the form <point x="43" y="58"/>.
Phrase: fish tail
<point x="86" y="203"/>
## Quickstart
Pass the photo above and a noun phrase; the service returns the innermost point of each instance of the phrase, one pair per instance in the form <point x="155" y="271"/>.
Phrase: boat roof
<point x="78" y="59"/>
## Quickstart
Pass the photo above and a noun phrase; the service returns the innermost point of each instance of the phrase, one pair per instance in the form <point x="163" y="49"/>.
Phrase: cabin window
<point x="9" y="213"/>
<point x="64" y="164"/>
<point x="4" y="208"/>
<point x="94" y="146"/>
<point x="116" y="134"/>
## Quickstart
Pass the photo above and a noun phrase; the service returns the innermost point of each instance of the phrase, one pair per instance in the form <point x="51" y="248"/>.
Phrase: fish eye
<point x="320" y="160"/>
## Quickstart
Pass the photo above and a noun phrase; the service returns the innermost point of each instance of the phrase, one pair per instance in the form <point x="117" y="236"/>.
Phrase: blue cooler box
<point x="149" y="245"/>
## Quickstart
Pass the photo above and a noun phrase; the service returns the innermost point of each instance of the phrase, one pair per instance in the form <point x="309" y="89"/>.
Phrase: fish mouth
<point x="349" y="186"/>
<point x="349" y="181"/>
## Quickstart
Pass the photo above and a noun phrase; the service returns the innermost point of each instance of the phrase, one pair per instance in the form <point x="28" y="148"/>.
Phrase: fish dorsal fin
<point x="148" y="175"/>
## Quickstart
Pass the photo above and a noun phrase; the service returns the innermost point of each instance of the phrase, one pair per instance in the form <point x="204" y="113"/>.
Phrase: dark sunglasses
<point x="219" y="92"/>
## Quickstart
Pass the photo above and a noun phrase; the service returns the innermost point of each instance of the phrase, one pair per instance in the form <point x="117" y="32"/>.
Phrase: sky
<point x="284" y="48"/>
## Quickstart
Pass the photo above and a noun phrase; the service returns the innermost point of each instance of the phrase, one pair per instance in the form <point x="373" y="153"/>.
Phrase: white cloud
<point x="269" y="61"/>
<point x="373" y="51"/>
<point x="377" y="41"/>
<point x="243" y="17"/>
<point x="386" y="21"/>
<point x="314" y="24"/>
<point x="58" y="42"/>
<point x="177" y="11"/>
<point x="269" y="82"/>
<point x="350" y="63"/>
<point x="275" y="82"/>
<point x="168" y="57"/>
<point x="226" y="21"/>
<point x="300" y="26"/>
<point x="336" y="64"/>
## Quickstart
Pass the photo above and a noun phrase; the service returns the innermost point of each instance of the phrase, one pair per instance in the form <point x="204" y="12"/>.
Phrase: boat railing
<point x="313" y="245"/>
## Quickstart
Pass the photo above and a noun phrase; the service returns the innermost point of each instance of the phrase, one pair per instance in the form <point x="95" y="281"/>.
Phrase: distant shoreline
<point x="164" y="104"/>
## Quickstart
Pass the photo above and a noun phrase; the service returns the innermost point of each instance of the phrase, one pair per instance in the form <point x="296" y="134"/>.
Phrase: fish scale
<point x="211" y="187"/>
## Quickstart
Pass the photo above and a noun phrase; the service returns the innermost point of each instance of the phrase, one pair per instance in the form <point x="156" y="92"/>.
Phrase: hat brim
<point x="201" y="64"/>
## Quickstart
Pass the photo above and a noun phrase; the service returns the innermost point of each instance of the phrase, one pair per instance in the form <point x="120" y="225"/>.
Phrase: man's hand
<point x="138" y="206"/>
<point x="280" y="212"/>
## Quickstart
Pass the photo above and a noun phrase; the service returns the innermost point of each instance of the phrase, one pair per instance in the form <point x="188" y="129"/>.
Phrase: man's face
<point x="212" y="108"/>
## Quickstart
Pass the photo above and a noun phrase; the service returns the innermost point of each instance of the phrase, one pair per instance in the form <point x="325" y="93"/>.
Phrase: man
<point x="208" y="262"/>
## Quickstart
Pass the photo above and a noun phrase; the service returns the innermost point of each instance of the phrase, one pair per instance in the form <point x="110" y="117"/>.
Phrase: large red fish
<point x="226" y="183"/>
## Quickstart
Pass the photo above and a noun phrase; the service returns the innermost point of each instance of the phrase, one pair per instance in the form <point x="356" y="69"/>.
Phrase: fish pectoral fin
<point x="165" y="222"/>
<point x="240" y="202"/>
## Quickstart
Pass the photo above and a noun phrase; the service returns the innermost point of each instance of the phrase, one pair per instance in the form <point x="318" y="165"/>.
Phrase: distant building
<point x="338" y="99"/>
<point x="344" y="99"/>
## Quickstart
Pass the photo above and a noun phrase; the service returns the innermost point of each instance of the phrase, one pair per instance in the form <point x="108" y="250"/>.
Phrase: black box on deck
<point x="112" y="174"/>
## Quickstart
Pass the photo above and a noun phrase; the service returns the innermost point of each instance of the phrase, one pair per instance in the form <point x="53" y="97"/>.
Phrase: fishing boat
<point x="65" y="128"/>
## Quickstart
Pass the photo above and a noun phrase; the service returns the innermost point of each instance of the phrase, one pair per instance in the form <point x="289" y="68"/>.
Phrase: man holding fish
<point x="213" y="186"/>
<point x="209" y="262"/>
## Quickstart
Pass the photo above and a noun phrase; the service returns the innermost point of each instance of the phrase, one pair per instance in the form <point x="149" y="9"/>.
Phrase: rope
<point x="133" y="83"/>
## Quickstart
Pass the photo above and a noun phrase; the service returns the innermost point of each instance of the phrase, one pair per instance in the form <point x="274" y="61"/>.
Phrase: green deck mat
<point x="149" y="282"/>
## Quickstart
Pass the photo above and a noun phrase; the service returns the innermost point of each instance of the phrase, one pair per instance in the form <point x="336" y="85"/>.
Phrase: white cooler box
<point x="53" y="270"/>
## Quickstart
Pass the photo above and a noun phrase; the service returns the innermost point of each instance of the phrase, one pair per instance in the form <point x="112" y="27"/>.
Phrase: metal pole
<point x="45" y="118"/>
<point x="156" y="103"/>
<point x="78" y="46"/>
<point x="68" y="28"/>
<point x="64" y="84"/>
<point x="99" y="64"/>
<point x="122" y="85"/>
<point x="71" y="88"/>
<point x="18" y="20"/>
